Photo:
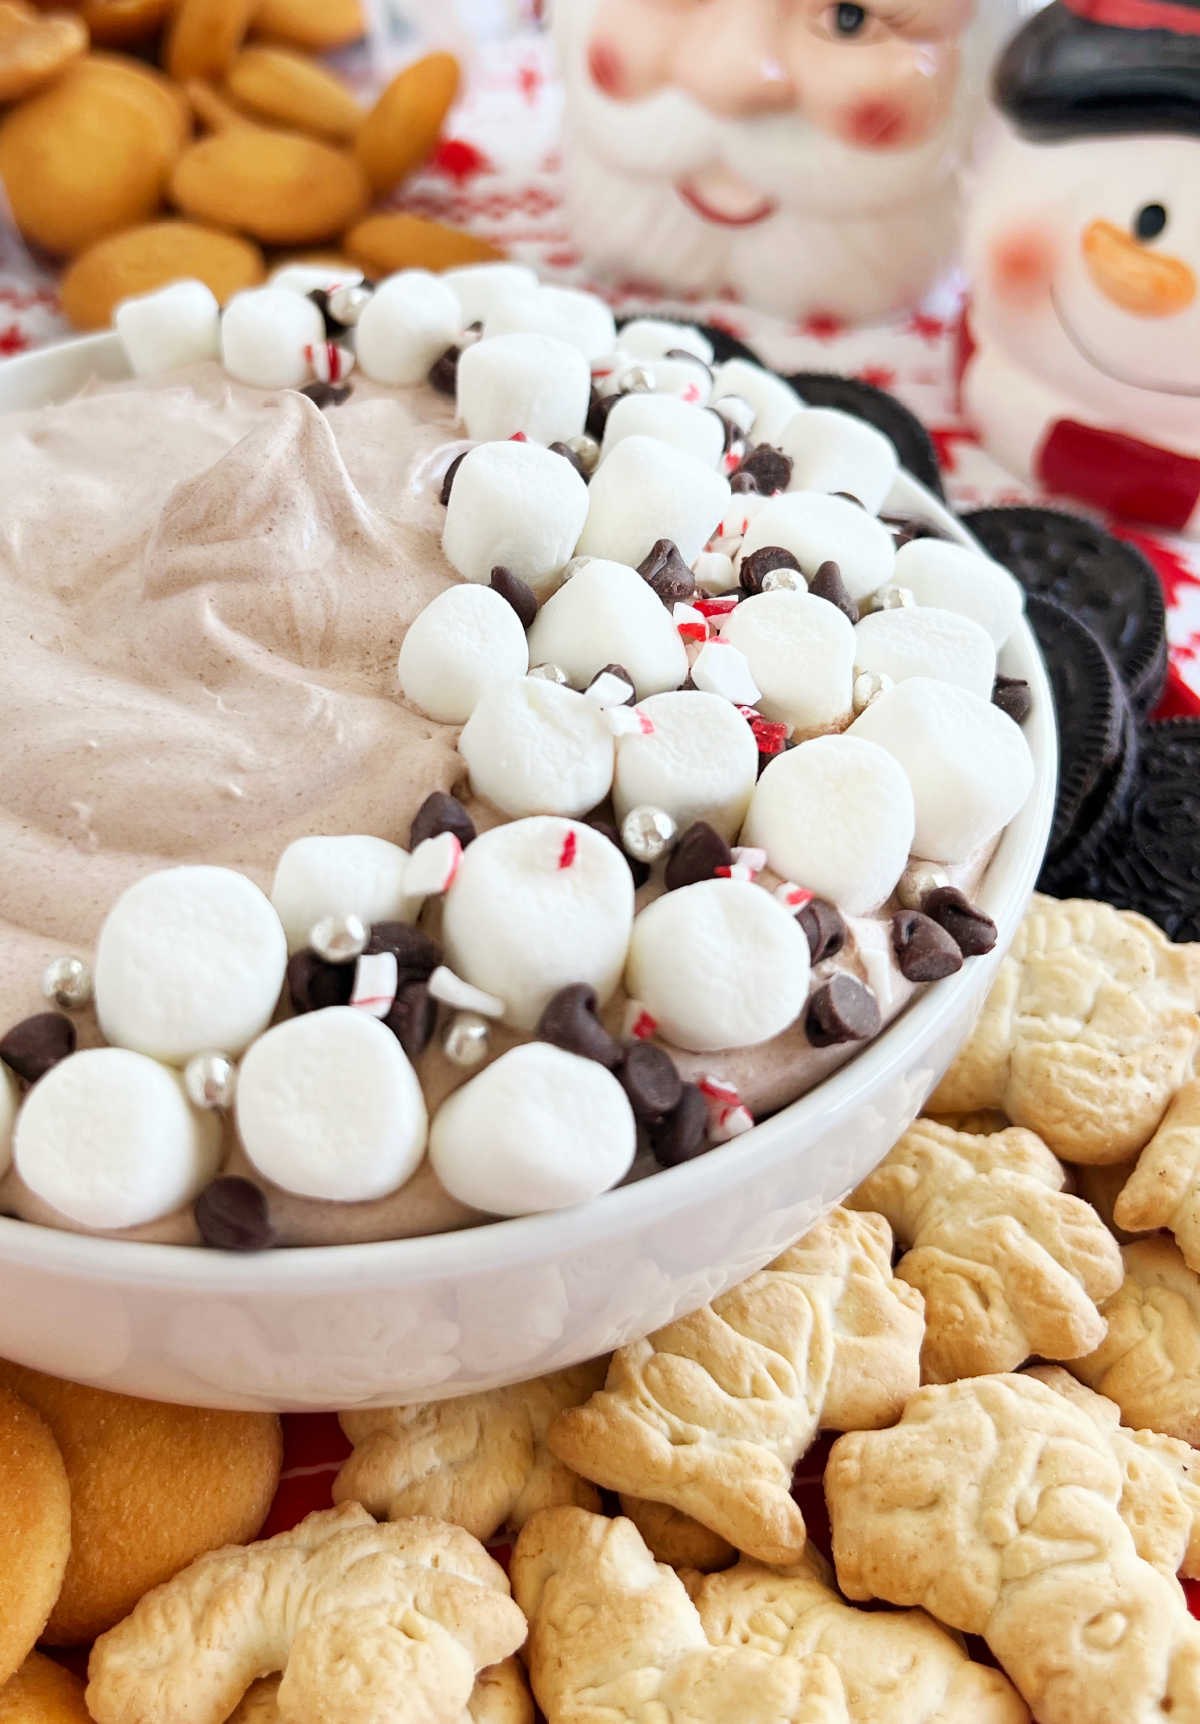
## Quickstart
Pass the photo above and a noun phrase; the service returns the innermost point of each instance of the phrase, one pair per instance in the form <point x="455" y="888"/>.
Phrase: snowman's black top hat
<point x="1085" y="68"/>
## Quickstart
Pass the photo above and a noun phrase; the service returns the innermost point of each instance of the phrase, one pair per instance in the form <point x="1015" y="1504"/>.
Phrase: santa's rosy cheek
<point x="1023" y="264"/>
<point x="877" y="124"/>
<point x="606" y="67"/>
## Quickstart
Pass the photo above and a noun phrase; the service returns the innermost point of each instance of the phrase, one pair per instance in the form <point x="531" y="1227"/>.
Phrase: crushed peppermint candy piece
<point x="720" y="668"/>
<point x="433" y="865"/>
<point x="794" y="897"/>
<point x="771" y="738"/>
<point x="713" y="572"/>
<point x="330" y="361"/>
<point x="638" y="1023"/>
<point x="718" y="607"/>
<point x="451" y="990"/>
<point x="747" y="864"/>
<point x="728" y="1117"/>
<point x="376" y="979"/>
<point x="608" y="689"/>
<point x="690" y="621"/>
<point x="628" y="721"/>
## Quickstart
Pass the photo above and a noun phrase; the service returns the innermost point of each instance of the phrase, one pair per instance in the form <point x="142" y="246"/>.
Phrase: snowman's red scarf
<point x="1140" y="14"/>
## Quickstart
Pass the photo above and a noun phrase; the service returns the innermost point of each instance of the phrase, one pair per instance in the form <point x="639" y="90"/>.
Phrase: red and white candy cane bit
<point x="639" y="1022"/>
<point x="771" y="738"/>
<point x="329" y="362"/>
<point x="691" y="621"/>
<point x="793" y="897"/>
<point x="433" y="865"/>
<point x="376" y="977"/>
<point x="628" y="721"/>
<point x="566" y="856"/>
<point x="609" y="689"/>
<point x="747" y="864"/>
<point x="734" y="456"/>
<point x="451" y="990"/>
<point x="691" y="394"/>
<point x="722" y="607"/>
<point x="518" y="437"/>
<point x="728" y="1117"/>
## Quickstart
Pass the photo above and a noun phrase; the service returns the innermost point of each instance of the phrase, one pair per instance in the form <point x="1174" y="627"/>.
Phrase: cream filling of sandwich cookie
<point x="359" y="972"/>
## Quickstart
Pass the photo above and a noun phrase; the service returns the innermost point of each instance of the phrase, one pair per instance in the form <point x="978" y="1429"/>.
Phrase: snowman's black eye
<point x="849" y="20"/>
<point x="1150" y="221"/>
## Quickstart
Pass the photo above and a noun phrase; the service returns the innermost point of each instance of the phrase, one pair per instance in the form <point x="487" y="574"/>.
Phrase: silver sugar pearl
<point x="891" y="598"/>
<point x="586" y="451"/>
<point x="638" y="380"/>
<point x="347" y="303"/>
<point x="784" y="581"/>
<point x="868" y="686"/>
<point x="916" y="881"/>
<point x="67" y="983"/>
<point x="466" y="1040"/>
<point x="210" y="1081"/>
<point x="339" y="939"/>
<point x="647" y="833"/>
<point x="549" y="673"/>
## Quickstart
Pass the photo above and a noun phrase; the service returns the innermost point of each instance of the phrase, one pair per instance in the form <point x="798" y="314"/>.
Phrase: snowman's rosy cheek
<point x="606" y="67"/>
<point x="1022" y="263"/>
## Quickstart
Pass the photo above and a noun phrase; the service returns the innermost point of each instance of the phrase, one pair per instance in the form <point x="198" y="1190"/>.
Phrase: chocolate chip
<point x="570" y="1022"/>
<point x="598" y="411"/>
<point x="843" y="1010"/>
<point x="313" y="983"/>
<point x="697" y="856"/>
<point x="972" y="932"/>
<point x="758" y="565"/>
<point x="448" y="481"/>
<point x="35" y="1044"/>
<point x="1013" y="696"/>
<point x="924" y="951"/>
<point x="743" y="484"/>
<point x="441" y="813"/>
<point x="770" y="469"/>
<point x="413" y="1018"/>
<point x="324" y="395"/>
<point x="686" y="353"/>
<point x="826" y="931"/>
<point x="617" y="670"/>
<point x="906" y="528"/>
<point x="849" y="497"/>
<point x="233" y="1215"/>
<point x="443" y="373"/>
<point x="607" y="829"/>
<point x="827" y="583"/>
<point x="649" y="1079"/>
<point x="523" y="599"/>
<point x="416" y="955"/>
<point x="573" y="456"/>
<point x="666" y="572"/>
<point x="683" y="1134"/>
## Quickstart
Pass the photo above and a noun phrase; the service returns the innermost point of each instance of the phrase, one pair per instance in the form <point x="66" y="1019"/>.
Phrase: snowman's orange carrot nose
<point x="1144" y="282"/>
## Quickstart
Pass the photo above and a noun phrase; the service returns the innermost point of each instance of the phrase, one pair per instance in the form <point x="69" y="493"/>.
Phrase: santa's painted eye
<point x="1150" y="221"/>
<point x="849" y="20"/>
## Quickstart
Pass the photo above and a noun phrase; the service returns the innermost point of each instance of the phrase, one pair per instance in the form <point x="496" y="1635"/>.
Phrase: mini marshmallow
<point x="466" y="639"/>
<point x="918" y="640"/>
<point x="699" y="762"/>
<point x="516" y="505"/>
<point x="189" y="959"/>
<point x="108" y="1139"/>
<point x="607" y="614"/>
<point x="328" y="1106"/>
<point x="540" y="1129"/>
<point x="817" y="529"/>
<point x="535" y="747"/>
<point x="313" y="277"/>
<point x="480" y="286"/>
<point x="693" y="429"/>
<point x="9" y="1096"/>
<point x="531" y="383"/>
<point x="774" y="401"/>
<point x="969" y="765"/>
<point x="654" y="337"/>
<point x="608" y="370"/>
<point x="834" y="451"/>
<point x="714" y="572"/>
<point x="176" y="325"/>
<point x="645" y="491"/>
<point x="412" y="318"/>
<point x="957" y="579"/>
<point x="537" y="905"/>
<point x="265" y="332"/>
<point x="719" y="964"/>
<point x="345" y="876"/>
<point x="836" y="816"/>
<point x="688" y="379"/>
<point x="565" y="312"/>
<point x="800" y="650"/>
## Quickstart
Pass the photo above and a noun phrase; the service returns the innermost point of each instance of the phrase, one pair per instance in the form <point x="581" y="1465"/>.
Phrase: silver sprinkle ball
<point x="466" y="1039"/>
<point x="784" y="581"/>
<point x="918" y="880"/>
<point x="347" y="303"/>
<point x="210" y="1081"/>
<point x="549" y="673"/>
<point x="586" y="451"/>
<point x="638" y="380"/>
<point x="647" y="833"/>
<point x="868" y="686"/>
<point x="67" y="983"/>
<point x="339" y="939"/>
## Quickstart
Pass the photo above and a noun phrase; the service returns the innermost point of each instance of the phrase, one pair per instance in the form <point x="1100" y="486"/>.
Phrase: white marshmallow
<point x="969" y="765"/>
<point x="688" y="379"/>
<point x="645" y="491"/>
<point x="189" y="959"/>
<point x="654" y="337"/>
<point x="566" y="312"/>
<point x="834" y="451"/>
<point x="607" y="614"/>
<point x="411" y="319"/>
<point x="719" y="964"/>
<point x="344" y="876"/>
<point x="835" y="815"/>
<point x="817" y="529"/>
<point x="480" y="286"/>
<point x="309" y="277"/>
<point x="539" y="1129"/>
<point x="537" y="905"/>
<point x="268" y="335"/>
<point x="699" y="763"/>
<point x="800" y="650"/>
<point x="466" y="639"/>
<point x="328" y="1106"/>
<point x="774" y="401"/>
<point x="531" y="383"/>
<point x="956" y="579"/>
<point x="921" y="641"/>
<point x="608" y="370"/>
<point x="693" y="429"/>
<point x="714" y="572"/>
<point x="175" y="325"/>
<point x="9" y="1096"/>
<point x="534" y="747"/>
<point x="517" y="505"/>
<point x="108" y="1139"/>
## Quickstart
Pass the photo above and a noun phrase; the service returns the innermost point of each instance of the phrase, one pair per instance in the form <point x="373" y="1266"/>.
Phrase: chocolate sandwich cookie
<point x="913" y="443"/>
<point x="1103" y="581"/>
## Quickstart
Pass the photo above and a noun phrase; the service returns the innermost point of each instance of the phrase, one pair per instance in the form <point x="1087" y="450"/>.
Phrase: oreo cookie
<point x="849" y="395"/>
<point x="1103" y="581"/>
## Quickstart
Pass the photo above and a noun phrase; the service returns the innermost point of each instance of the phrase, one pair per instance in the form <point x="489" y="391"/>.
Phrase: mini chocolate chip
<point x="573" y="456"/>
<point x="443" y="373"/>
<point x="770" y="469"/>
<point x="324" y="395"/>
<point x="441" y="813"/>
<point x="523" y="599"/>
<point x="313" y="983"/>
<point x="683" y="1134"/>
<point x="924" y="951"/>
<point x="416" y="955"/>
<point x="758" y="565"/>
<point x="607" y="829"/>
<point x="843" y="1010"/>
<point x="687" y="354"/>
<point x="743" y="484"/>
<point x="448" y="481"/>
<point x="697" y="856"/>
<point x="827" y="583"/>
<point x="1013" y="696"/>
<point x="569" y="1021"/>
<point x="972" y="932"/>
<point x="650" y="1080"/>
<point x="233" y="1215"/>
<point x="906" y="528"/>
<point x="849" y="497"/>
<point x="826" y="931"/>
<point x="413" y="1018"/>
<point x="666" y="572"/>
<point x="617" y="670"/>
<point x="35" y="1044"/>
<point x="598" y="411"/>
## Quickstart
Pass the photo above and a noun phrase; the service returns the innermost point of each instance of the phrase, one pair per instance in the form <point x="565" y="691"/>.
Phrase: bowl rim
<point x="39" y="377"/>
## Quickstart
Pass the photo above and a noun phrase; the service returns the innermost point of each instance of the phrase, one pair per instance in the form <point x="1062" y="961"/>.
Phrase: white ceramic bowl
<point x="371" y="1325"/>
